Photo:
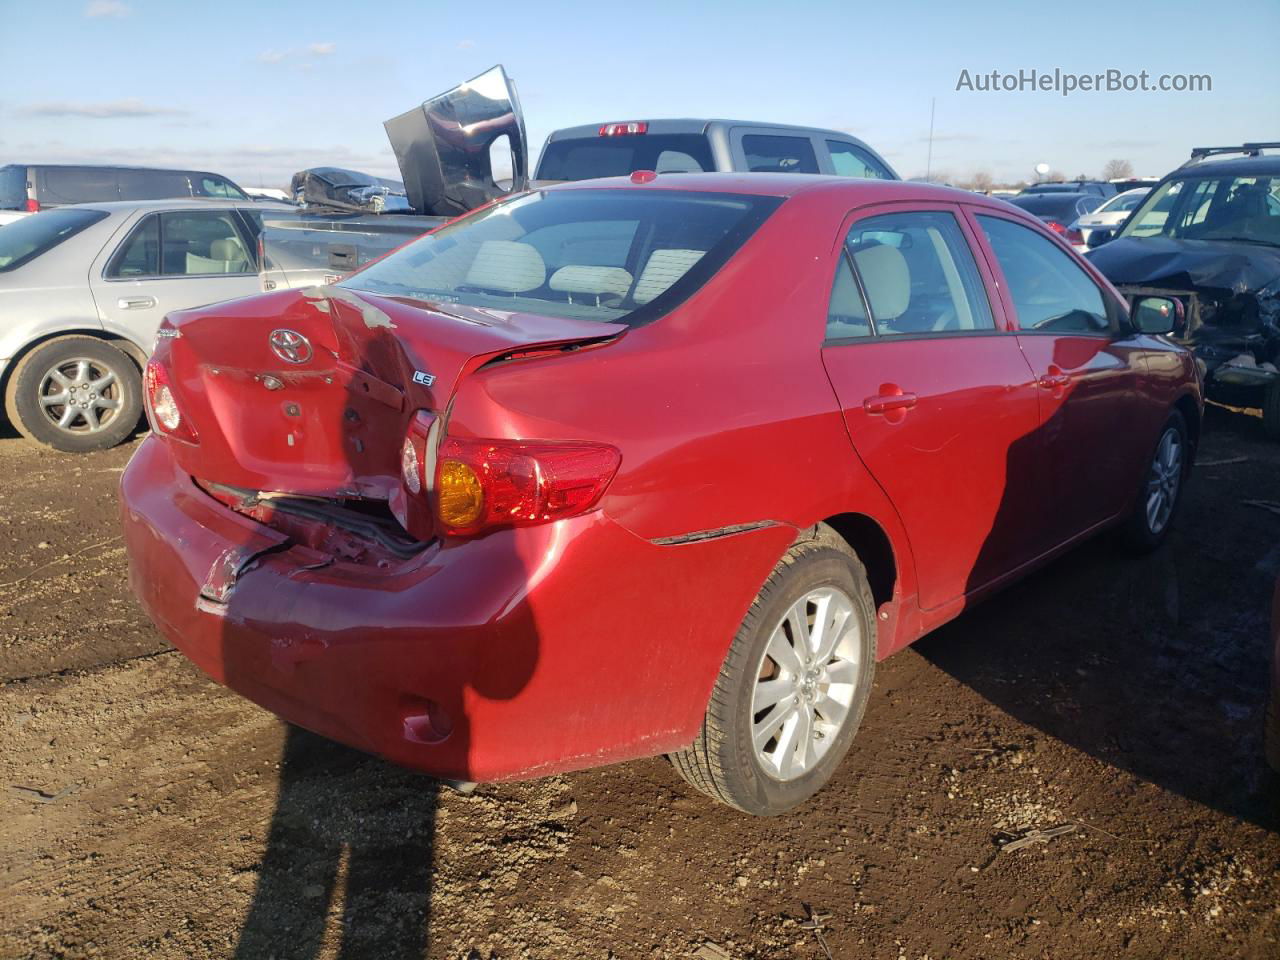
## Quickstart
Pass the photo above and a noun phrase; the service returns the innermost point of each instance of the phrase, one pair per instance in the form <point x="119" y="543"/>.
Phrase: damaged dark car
<point x="1209" y="235"/>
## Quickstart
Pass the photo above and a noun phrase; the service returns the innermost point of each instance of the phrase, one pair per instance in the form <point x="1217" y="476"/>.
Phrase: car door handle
<point x="1054" y="381"/>
<point x="884" y="402"/>
<point x="135" y="303"/>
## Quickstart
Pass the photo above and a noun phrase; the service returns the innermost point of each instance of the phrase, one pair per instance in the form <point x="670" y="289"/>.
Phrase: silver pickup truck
<point x="468" y="146"/>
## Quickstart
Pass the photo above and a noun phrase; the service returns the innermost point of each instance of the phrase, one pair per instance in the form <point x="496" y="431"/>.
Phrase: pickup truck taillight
<point x="31" y="206"/>
<point x="481" y="484"/>
<point x="162" y="405"/>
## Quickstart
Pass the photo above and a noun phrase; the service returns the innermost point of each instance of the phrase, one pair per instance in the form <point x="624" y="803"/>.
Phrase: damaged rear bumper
<point x="522" y="653"/>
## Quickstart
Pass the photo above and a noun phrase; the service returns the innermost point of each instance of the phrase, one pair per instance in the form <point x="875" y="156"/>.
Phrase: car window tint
<point x="139" y="255"/>
<point x="206" y="186"/>
<point x="919" y="274"/>
<point x="13" y="187"/>
<point x="848" y="160"/>
<point x="609" y="255"/>
<point x="153" y="184"/>
<point x="61" y="185"/>
<point x="582" y="158"/>
<point x="769" y="154"/>
<point x="846" y="314"/>
<point x="1050" y="291"/>
<point x="202" y="242"/>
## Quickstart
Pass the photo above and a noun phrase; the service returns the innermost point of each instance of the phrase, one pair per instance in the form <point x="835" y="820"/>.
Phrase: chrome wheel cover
<point x="1164" y="480"/>
<point x="805" y="683"/>
<point x="80" y="396"/>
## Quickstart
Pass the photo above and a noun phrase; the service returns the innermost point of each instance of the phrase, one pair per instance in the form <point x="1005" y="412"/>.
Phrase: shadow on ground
<point x="1158" y="664"/>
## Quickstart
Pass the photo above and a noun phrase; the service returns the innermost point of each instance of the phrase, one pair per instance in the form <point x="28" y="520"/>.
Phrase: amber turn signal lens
<point x="459" y="495"/>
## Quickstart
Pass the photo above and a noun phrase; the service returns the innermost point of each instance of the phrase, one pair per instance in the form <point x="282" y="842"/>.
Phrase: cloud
<point x="106" y="110"/>
<point x="466" y="44"/>
<point x="307" y="52"/>
<point x="107" y="8"/>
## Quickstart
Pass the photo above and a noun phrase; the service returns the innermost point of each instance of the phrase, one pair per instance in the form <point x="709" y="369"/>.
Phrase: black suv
<point x="40" y="186"/>
<point x="1209" y="235"/>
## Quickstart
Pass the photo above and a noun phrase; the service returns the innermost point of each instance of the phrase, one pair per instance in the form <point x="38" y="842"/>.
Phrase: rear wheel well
<point x="125" y="346"/>
<point x="869" y="541"/>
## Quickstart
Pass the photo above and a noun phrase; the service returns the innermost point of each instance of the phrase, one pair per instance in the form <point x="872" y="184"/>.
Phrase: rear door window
<point x="850" y="160"/>
<point x="1050" y="292"/>
<point x="25" y="239"/>
<point x="766" y="153"/>
<point x="57" y="186"/>
<point x="918" y="275"/>
<point x="202" y="242"/>
<point x="139" y="255"/>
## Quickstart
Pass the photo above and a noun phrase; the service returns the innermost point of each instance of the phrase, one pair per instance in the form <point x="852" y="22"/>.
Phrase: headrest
<point x="508" y="266"/>
<point x="664" y="268"/>
<point x="595" y="281"/>
<point x="226" y="248"/>
<point x="886" y="279"/>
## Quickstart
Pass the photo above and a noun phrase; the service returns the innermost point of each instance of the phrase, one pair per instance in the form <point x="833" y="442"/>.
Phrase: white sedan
<point x="1110" y="215"/>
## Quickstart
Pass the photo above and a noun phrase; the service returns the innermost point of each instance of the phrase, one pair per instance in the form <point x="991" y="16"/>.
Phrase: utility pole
<point x="928" y="164"/>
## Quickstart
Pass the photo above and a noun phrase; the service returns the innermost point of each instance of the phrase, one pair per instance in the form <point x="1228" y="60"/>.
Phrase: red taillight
<point x="31" y="206"/>
<point x="623" y="129"/>
<point x="1073" y="236"/>
<point x="410" y="504"/>
<point x="1056" y="227"/>
<point x="480" y="484"/>
<point x="162" y="405"/>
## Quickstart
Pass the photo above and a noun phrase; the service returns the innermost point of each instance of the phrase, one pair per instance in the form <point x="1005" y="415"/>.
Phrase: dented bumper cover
<point x="523" y="653"/>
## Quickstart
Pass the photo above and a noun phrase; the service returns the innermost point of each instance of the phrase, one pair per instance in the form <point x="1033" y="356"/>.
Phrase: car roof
<point x="175" y="203"/>
<point x="689" y="125"/>
<point x="848" y="189"/>
<point x="114" y="166"/>
<point x="1262" y="165"/>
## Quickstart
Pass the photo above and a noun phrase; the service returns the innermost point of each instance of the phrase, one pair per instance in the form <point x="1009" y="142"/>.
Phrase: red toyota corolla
<point x="646" y="466"/>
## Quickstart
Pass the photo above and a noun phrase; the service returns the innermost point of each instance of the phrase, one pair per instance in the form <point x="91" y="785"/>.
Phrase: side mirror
<point x="1158" y="314"/>
<point x="1098" y="236"/>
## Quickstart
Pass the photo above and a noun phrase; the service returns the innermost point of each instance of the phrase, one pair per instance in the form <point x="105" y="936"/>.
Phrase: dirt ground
<point x="146" y="812"/>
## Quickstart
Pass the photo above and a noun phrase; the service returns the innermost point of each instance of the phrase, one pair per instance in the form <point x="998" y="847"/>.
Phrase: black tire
<point x="38" y="421"/>
<point x="1139" y="533"/>
<point x="1271" y="411"/>
<point x="723" y="762"/>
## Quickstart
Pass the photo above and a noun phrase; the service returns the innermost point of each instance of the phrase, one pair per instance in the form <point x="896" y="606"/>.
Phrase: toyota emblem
<point x="290" y="346"/>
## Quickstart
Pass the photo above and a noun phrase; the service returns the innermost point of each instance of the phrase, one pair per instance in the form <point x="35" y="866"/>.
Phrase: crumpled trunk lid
<point x="443" y="146"/>
<point x="311" y="391"/>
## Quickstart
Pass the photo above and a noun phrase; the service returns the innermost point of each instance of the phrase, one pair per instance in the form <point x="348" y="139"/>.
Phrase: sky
<point x="258" y="91"/>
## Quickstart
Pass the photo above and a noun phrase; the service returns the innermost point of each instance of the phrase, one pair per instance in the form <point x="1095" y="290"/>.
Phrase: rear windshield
<point x="13" y="187"/>
<point x="25" y="239"/>
<point x="583" y="158"/>
<point x="609" y="255"/>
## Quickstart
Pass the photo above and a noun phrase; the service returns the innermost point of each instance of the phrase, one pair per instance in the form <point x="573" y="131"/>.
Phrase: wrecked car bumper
<point x="523" y="654"/>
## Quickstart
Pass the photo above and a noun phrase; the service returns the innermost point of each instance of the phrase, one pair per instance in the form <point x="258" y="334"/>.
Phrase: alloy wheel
<point x="1164" y="480"/>
<point x="80" y="395"/>
<point x="805" y="683"/>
